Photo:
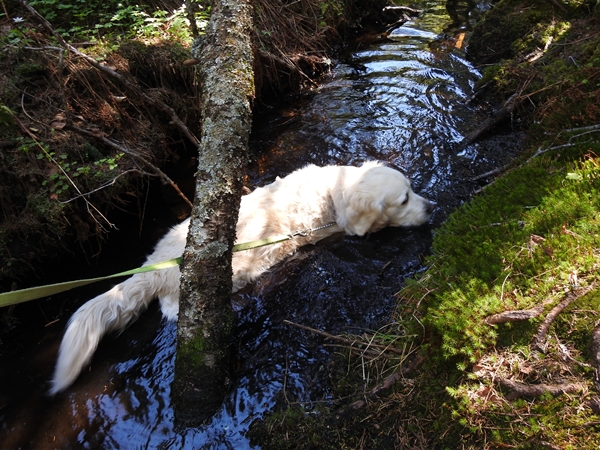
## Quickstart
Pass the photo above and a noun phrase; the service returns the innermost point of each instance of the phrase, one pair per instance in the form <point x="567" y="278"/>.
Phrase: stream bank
<point x="525" y="246"/>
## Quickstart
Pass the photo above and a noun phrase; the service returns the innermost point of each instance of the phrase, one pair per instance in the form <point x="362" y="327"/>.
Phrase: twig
<point x="539" y="340"/>
<point x="540" y="151"/>
<point x="160" y="105"/>
<point x="5" y="11"/>
<point x="491" y="172"/>
<point x="134" y="155"/>
<point x="387" y="383"/>
<point x="104" y="186"/>
<point x="342" y="339"/>
<point x="570" y="143"/>
<point x="66" y="175"/>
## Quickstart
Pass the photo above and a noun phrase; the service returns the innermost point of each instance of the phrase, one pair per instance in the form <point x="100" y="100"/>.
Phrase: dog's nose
<point x="430" y="207"/>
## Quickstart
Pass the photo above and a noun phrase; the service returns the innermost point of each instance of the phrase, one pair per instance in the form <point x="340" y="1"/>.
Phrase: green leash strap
<point x="278" y="239"/>
<point x="24" y="295"/>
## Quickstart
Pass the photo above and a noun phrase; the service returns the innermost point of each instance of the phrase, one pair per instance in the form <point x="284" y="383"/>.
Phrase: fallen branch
<point x="506" y="109"/>
<point x="128" y="84"/>
<point x="536" y="390"/>
<point x="514" y="316"/>
<point x="539" y="340"/>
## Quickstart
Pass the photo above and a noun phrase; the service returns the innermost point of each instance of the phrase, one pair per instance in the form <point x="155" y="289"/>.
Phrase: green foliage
<point x="533" y="237"/>
<point x="66" y="169"/>
<point x="329" y="9"/>
<point x="95" y="18"/>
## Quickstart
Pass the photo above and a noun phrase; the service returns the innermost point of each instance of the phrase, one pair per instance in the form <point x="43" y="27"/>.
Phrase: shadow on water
<point x="404" y="101"/>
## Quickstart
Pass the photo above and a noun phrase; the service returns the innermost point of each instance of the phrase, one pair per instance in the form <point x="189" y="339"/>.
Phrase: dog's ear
<point x="360" y="213"/>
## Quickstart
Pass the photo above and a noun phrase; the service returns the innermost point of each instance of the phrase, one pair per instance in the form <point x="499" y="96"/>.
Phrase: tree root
<point x="514" y="316"/>
<point x="539" y="340"/>
<point x="518" y="389"/>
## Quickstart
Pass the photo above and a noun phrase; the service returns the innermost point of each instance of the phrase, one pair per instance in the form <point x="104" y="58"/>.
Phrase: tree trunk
<point x="205" y="315"/>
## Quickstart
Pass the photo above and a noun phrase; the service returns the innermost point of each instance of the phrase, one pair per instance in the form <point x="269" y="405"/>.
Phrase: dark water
<point x="404" y="101"/>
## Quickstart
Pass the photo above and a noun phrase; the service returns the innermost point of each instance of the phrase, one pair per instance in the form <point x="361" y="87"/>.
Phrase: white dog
<point x="354" y="200"/>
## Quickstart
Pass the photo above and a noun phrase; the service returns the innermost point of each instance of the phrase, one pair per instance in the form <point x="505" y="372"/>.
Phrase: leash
<point x="278" y="239"/>
<point x="25" y="295"/>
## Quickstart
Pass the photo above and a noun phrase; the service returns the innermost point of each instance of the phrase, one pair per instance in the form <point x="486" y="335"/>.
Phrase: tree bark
<point x="205" y="315"/>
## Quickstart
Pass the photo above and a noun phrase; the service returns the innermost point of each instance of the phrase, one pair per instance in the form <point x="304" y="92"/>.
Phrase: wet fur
<point x="359" y="200"/>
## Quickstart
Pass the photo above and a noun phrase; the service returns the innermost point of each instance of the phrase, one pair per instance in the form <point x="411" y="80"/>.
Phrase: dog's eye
<point x="405" y="200"/>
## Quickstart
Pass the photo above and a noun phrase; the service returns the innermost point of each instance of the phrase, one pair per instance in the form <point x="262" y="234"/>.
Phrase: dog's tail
<point x="117" y="308"/>
<point x="106" y="313"/>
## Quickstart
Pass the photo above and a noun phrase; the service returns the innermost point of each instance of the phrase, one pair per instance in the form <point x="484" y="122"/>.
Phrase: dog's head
<point x="380" y="197"/>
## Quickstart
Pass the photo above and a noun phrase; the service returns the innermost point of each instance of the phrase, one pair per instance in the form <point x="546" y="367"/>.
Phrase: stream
<point x="405" y="101"/>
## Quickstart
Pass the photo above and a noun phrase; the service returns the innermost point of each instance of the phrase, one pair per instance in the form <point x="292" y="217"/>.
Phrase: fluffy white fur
<point x="359" y="200"/>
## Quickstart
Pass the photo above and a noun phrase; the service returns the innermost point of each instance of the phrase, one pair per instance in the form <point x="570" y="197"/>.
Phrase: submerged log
<point x="205" y="316"/>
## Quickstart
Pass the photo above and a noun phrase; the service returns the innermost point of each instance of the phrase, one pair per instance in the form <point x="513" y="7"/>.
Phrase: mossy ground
<point x="530" y="239"/>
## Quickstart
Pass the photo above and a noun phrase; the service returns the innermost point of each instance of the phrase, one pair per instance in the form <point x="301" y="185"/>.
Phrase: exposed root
<point x="515" y="316"/>
<point x="539" y="340"/>
<point x="518" y="389"/>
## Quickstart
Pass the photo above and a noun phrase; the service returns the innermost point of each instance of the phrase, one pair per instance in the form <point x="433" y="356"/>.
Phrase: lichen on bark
<point x="206" y="318"/>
